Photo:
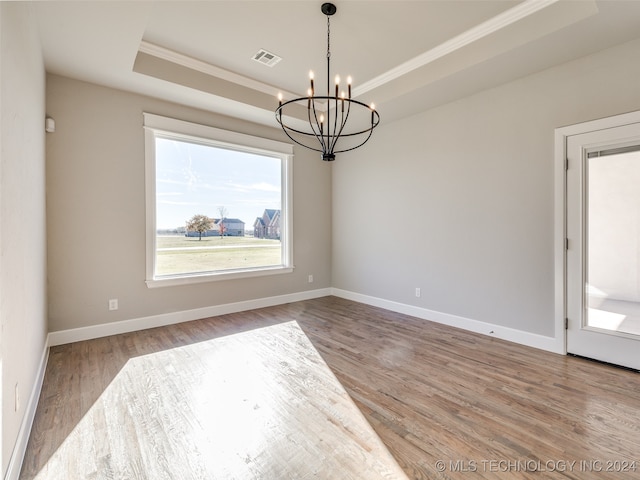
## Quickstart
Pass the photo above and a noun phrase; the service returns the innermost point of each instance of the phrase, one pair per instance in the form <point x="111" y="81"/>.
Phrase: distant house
<point x="267" y="226"/>
<point x="233" y="227"/>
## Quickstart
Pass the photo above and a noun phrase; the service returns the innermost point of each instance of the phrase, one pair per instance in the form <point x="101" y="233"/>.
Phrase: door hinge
<point x="566" y="163"/>
<point x="566" y="244"/>
<point x="566" y="323"/>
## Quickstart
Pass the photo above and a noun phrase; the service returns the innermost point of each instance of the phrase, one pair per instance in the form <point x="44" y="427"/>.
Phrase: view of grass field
<point x="177" y="254"/>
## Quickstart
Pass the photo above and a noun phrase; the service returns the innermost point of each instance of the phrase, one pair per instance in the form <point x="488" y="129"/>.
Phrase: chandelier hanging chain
<point x="328" y="38"/>
<point x="334" y="109"/>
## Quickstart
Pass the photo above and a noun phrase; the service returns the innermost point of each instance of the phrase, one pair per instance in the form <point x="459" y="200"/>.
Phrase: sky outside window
<point x="198" y="179"/>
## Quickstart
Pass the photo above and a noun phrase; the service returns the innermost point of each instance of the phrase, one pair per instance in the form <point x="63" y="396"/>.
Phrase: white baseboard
<point x="550" y="344"/>
<point x="96" y="331"/>
<point x="17" y="456"/>
<point x="542" y="342"/>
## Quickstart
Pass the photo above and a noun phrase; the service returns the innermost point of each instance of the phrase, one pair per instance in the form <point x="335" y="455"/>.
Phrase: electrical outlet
<point x="310" y="278"/>
<point x="17" y="399"/>
<point x="113" y="304"/>
<point x="418" y="292"/>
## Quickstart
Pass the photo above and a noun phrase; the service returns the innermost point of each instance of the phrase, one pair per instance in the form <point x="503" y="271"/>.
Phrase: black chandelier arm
<point x="284" y="125"/>
<point x="280" y="109"/>
<point x="360" y="132"/>
<point x="317" y="134"/>
<point x="368" y="131"/>
<point x="335" y="133"/>
<point x="327" y="140"/>
<point x="357" y="146"/>
<point x="352" y="134"/>
<point x="343" y="123"/>
<point x="286" y="128"/>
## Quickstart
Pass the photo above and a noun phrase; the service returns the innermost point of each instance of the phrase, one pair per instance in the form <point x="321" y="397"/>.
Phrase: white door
<point x="603" y="245"/>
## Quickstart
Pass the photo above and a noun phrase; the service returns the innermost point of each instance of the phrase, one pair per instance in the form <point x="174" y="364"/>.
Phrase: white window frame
<point x="195" y="133"/>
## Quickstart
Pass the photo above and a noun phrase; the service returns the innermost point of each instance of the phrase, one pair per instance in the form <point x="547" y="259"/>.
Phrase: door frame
<point x="560" y="210"/>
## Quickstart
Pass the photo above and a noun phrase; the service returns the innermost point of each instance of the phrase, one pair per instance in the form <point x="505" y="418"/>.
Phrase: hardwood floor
<point x="446" y="403"/>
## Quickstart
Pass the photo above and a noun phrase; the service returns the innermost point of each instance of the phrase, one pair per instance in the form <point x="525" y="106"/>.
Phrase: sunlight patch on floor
<point x="258" y="404"/>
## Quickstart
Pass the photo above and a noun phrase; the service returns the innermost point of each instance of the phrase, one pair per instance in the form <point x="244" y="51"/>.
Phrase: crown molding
<point x="506" y="18"/>
<point x="208" y="69"/>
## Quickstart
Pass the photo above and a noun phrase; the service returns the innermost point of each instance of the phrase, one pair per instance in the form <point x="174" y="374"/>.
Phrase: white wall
<point x="22" y="218"/>
<point x="96" y="212"/>
<point x="474" y="178"/>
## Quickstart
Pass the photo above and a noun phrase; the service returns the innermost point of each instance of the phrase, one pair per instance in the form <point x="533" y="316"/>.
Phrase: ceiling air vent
<point x="267" y="58"/>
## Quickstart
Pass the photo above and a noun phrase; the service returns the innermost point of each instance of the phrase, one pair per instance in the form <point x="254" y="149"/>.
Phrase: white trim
<point x="160" y="126"/>
<point x="96" y="331"/>
<point x="521" y="337"/>
<point x="559" y="238"/>
<point x="20" y="448"/>
<point x="150" y="200"/>
<point x="212" y="135"/>
<point x="103" y="330"/>
<point x="560" y="206"/>
<point x="599" y="124"/>
<point x="286" y="220"/>
<point x="193" y="278"/>
<point x="474" y="34"/>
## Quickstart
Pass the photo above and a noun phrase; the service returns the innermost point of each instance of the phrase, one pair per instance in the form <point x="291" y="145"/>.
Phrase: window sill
<point x="193" y="278"/>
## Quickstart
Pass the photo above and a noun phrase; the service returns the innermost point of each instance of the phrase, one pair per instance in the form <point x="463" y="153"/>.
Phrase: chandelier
<point x="328" y="114"/>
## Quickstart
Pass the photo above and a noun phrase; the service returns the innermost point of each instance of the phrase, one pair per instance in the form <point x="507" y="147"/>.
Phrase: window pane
<point x="613" y="245"/>
<point x="209" y="201"/>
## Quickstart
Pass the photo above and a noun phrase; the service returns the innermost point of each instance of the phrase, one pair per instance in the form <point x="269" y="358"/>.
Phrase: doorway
<point x="602" y="226"/>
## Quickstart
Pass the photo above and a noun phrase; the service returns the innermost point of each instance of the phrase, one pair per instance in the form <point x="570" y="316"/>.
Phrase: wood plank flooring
<point x="446" y="403"/>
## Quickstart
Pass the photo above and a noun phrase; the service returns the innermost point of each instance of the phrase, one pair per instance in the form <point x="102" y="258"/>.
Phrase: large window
<point x="217" y="203"/>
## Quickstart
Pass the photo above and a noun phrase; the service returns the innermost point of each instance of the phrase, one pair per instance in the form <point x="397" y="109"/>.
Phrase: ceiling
<point x="406" y="56"/>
